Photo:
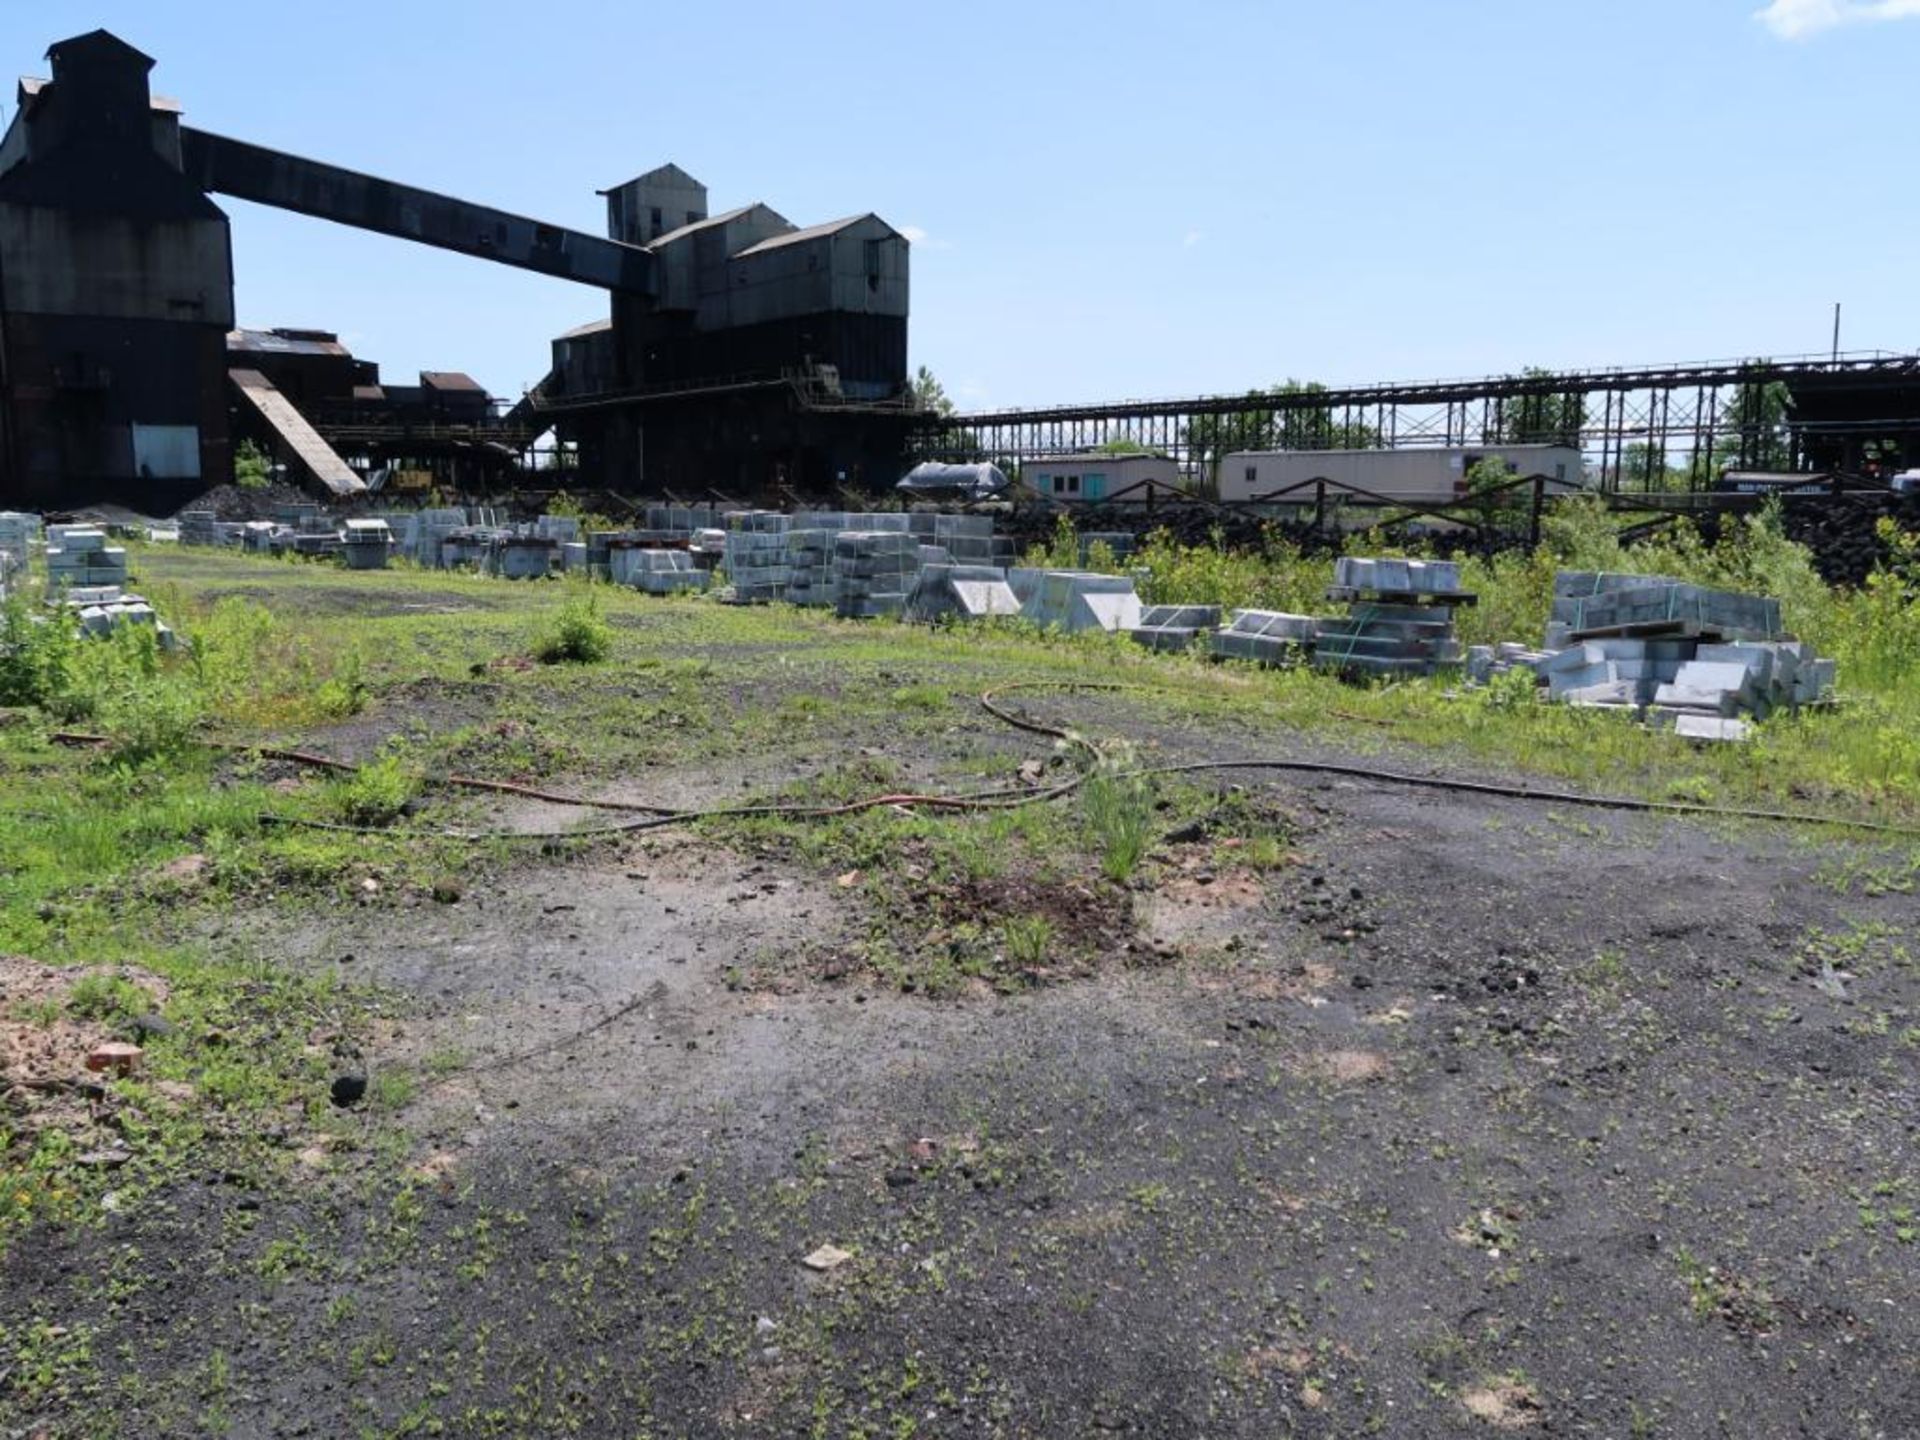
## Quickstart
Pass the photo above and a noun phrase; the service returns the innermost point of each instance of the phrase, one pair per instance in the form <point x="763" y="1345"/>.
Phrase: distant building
<point x="1412" y="475"/>
<point x="769" y="356"/>
<point x="1096" y="476"/>
<point x="116" y="288"/>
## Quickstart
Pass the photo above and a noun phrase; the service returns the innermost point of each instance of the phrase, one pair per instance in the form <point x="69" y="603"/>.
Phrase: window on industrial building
<point x="693" y="217"/>
<point x="657" y="225"/>
<point x="1253" y="473"/>
<point x="1073" y="484"/>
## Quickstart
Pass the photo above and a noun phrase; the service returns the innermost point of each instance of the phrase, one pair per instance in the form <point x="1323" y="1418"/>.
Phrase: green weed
<point x="578" y="635"/>
<point x="1118" y="810"/>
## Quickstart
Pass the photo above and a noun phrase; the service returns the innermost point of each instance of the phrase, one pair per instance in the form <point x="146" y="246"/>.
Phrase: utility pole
<point x="1836" y="332"/>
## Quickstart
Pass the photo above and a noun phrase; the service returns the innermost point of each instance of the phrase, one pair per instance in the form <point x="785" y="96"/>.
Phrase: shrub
<point x="577" y="636"/>
<point x="36" y="654"/>
<point x="378" y="793"/>
<point x="252" y="466"/>
<point x="149" y="704"/>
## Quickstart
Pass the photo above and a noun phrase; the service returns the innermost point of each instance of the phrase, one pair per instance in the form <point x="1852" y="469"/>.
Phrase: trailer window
<point x="1253" y="473"/>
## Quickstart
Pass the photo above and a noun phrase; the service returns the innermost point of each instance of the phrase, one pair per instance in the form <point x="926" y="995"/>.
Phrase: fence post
<point x="1539" y="500"/>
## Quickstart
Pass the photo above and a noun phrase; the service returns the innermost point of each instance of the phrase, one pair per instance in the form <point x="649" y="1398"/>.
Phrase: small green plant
<point x="577" y="636"/>
<point x="1119" y="813"/>
<point x="102" y="996"/>
<point x="1028" y="938"/>
<point x="378" y="793"/>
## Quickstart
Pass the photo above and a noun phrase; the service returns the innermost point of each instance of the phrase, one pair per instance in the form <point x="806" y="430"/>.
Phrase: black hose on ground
<point x="1005" y="798"/>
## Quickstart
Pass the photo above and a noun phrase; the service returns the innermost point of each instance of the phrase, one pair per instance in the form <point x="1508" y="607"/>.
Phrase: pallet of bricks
<point x="1273" y="638"/>
<point x="1700" y="661"/>
<point x="654" y="571"/>
<point x="17" y="534"/>
<point x="756" y="557"/>
<point x="873" y="572"/>
<point x="810" y="564"/>
<point x="1399" y="618"/>
<point x="79" y="556"/>
<point x="966" y="539"/>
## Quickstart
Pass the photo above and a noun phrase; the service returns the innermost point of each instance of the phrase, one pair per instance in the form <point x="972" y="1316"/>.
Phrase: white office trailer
<point x="1072" y="478"/>
<point x="1414" y="475"/>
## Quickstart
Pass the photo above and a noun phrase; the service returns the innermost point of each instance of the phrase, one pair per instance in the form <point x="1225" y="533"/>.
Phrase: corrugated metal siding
<point x="56" y="262"/>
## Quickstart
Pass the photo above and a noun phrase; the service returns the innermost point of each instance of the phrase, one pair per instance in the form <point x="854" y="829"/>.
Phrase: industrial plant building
<point x="116" y="291"/>
<point x="779" y="351"/>
<point x="741" y="354"/>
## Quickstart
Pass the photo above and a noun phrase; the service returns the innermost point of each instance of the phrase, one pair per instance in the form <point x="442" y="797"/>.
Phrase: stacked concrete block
<point x="1365" y="576"/>
<point x="573" y="557"/>
<point x="1620" y="671"/>
<point x="657" y="572"/>
<point x="869" y="522"/>
<point x="756" y="563"/>
<point x="561" y="529"/>
<point x="466" y="548"/>
<point x="199" y="527"/>
<point x="80" y="555"/>
<point x="1076" y="600"/>
<point x="1174" y="627"/>
<point x="1269" y="637"/>
<point x="1588" y="603"/>
<point x="964" y="592"/>
<point x="1486" y="661"/>
<point x="366" y="544"/>
<point x="681" y="521"/>
<point x="602" y="545"/>
<point x="425" y="531"/>
<point x="967" y="539"/>
<point x="873" y="572"/>
<point x="522" y="557"/>
<point x="1752" y="678"/>
<point x="102" y="610"/>
<point x="810" y="573"/>
<point x="18" y="532"/>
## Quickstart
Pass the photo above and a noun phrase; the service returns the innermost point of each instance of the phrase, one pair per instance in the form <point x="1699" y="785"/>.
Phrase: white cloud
<point x="1193" y="238"/>
<point x="1797" y="19"/>
<point x="917" y="235"/>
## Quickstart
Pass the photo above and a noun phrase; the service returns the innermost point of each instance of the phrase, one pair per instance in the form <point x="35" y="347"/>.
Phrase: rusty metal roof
<point x="813" y="232"/>
<point x="272" y="342"/>
<point x="450" y="380"/>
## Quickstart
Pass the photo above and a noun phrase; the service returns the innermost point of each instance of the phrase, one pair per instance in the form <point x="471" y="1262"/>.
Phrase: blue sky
<point x="1111" y="200"/>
